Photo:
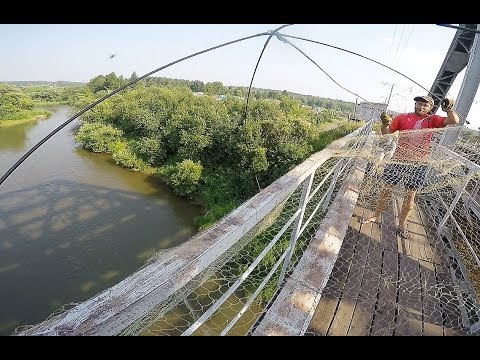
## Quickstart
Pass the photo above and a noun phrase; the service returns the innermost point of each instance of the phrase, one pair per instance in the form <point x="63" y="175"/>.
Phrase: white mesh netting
<point x="382" y="283"/>
<point x="422" y="281"/>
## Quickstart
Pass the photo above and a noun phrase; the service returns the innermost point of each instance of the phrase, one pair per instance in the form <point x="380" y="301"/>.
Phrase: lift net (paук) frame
<point x="424" y="281"/>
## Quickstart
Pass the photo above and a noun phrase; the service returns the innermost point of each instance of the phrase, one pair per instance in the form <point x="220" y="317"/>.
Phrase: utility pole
<point x="388" y="101"/>
<point x="391" y="89"/>
<point x="354" y="116"/>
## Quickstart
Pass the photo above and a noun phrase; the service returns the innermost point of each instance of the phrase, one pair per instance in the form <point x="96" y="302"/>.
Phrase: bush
<point x="127" y="159"/>
<point x="259" y="160"/>
<point x="185" y="176"/>
<point x="150" y="150"/>
<point x="99" y="138"/>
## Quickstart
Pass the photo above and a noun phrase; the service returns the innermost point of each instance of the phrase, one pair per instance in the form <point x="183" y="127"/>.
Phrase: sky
<point x="79" y="52"/>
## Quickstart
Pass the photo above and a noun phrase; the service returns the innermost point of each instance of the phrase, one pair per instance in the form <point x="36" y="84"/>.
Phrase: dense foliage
<point x="23" y="103"/>
<point x="16" y="105"/>
<point x="199" y="142"/>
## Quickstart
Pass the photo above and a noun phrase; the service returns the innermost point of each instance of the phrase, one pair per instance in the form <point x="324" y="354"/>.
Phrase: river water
<point x="73" y="223"/>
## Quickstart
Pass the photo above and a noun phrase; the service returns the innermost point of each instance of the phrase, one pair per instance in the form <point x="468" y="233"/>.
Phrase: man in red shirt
<point x="411" y="154"/>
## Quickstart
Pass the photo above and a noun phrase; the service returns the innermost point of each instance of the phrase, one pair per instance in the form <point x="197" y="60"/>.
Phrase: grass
<point x="7" y="123"/>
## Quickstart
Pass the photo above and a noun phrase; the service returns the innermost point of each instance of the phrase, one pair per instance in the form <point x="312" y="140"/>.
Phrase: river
<point x="73" y="223"/>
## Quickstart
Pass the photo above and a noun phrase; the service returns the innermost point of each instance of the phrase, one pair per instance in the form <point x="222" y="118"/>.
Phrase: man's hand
<point x="447" y="104"/>
<point x="386" y="119"/>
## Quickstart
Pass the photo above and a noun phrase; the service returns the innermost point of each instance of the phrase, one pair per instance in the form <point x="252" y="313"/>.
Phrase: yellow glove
<point x="447" y="104"/>
<point x="386" y="119"/>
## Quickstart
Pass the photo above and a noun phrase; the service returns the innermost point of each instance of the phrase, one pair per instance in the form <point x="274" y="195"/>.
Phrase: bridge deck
<point x="383" y="284"/>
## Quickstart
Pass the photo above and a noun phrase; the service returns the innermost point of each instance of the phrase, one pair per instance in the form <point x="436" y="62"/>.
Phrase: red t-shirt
<point x="412" y="145"/>
<point x="412" y="121"/>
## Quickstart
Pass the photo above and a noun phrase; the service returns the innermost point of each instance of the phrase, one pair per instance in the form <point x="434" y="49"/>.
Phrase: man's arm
<point x="451" y="119"/>
<point x="452" y="116"/>
<point x="385" y="129"/>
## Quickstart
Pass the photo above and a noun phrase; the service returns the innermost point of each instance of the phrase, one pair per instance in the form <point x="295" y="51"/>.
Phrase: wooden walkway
<point x="383" y="284"/>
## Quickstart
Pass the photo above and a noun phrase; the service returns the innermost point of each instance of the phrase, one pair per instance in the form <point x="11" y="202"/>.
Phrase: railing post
<point x="297" y="225"/>
<point x="455" y="200"/>
<point x="329" y="192"/>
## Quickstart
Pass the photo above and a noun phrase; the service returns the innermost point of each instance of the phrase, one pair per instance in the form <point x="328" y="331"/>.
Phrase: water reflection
<point x="65" y="241"/>
<point x="72" y="223"/>
<point x="15" y="137"/>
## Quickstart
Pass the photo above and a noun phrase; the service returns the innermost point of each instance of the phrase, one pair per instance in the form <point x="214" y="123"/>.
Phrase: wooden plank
<point x="343" y="316"/>
<point x="447" y="298"/>
<point x="367" y="297"/>
<point x="422" y="233"/>
<point x="384" y="317"/>
<point x="419" y="236"/>
<point x="410" y="246"/>
<point x="332" y="293"/>
<point x="432" y="311"/>
<point x="356" y="217"/>
<point x="323" y="315"/>
<point x="438" y="248"/>
<point x="375" y="234"/>
<point x="409" y="314"/>
<point x="388" y="229"/>
<point x="400" y="243"/>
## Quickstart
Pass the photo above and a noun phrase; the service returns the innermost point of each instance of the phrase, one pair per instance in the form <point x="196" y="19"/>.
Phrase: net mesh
<point x="383" y="283"/>
<point x="177" y="314"/>
<point x="422" y="281"/>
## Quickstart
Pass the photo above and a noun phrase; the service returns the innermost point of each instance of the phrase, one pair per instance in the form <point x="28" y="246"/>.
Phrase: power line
<point x="391" y="45"/>
<point x="367" y="58"/>
<point x="398" y="46"/>
<point x="281" y="38"/>
<point x="405" y="45"/>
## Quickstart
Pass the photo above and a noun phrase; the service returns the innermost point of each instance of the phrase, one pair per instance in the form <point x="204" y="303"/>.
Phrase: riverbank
<point x="7" y="123"/>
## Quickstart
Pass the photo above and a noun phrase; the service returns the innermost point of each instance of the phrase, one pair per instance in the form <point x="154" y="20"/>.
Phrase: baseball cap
<point x="427" y="99"/>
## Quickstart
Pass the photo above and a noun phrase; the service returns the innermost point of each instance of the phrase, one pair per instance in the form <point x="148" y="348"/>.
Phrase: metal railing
<point x="223" y="280"/>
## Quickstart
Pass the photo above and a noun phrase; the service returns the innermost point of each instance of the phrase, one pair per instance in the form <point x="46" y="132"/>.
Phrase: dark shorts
<point x="412" y="176"/>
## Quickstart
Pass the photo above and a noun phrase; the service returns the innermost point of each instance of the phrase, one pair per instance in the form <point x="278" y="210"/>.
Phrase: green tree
<point x="134" y="76"/>
<point x="260" y="162"/>
<point x="98" y="137"/>
<point x="113" y="82"/>
<point x="214" y="88"/>
<point x="197" y="86"/>
<point x="185" y="176"/>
